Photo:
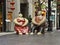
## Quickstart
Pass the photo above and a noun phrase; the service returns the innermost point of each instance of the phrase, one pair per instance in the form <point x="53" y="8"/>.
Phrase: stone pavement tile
<point x="47" y="39"/>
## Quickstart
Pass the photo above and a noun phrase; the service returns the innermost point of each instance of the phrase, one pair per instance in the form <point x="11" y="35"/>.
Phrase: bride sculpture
<point x="21" y="25"/>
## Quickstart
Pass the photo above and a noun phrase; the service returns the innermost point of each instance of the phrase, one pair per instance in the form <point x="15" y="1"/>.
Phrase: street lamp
<point x="49" y="13"/>
<point x="39" y="4"/>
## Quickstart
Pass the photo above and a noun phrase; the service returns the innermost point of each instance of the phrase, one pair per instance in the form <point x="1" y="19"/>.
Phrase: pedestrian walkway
<point x="50" y="38"/>
<point x="5" y="33"/>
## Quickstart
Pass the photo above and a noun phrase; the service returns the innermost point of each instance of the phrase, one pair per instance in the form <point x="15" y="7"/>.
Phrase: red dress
<point x="20" y="28"/>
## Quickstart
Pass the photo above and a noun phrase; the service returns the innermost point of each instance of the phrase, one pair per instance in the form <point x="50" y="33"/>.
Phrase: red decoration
<point x="12" y="3"/>
<point x="12" y="8"/>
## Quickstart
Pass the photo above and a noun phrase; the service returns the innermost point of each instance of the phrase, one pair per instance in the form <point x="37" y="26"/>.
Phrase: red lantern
<point x="12" y="3"/>
<point x="12" y="8"/>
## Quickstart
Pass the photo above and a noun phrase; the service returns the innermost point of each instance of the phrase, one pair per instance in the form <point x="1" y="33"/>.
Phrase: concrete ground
<point x="5" y="33"/>
<point x="50" y="38"/>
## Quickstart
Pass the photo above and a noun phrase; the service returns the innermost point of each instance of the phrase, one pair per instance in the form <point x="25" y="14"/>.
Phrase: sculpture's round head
<point x="20" y="15"/>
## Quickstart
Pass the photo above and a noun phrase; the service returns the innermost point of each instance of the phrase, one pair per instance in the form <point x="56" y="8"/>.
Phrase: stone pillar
<point x="30" y="7"/>
<point x="8" y="24"/>
<point x="17" y="7"/>
<point x="15" y="13"/>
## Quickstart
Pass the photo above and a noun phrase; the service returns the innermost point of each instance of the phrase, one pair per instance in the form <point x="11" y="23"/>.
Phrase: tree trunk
<point x="39" y="5"/>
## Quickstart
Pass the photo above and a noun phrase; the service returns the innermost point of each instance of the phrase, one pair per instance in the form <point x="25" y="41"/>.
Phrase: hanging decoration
<point x="10" y="8"/>
<point x="12" y="5"/>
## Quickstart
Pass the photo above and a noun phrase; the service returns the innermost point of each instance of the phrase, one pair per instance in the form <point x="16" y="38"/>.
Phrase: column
<point x="30" y="7"/>
<point x="15" y="13"/>
<point x="17" y="7"/>
<point x="49" y="13"/>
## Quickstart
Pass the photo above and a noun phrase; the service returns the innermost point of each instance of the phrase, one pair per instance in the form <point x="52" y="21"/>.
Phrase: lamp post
<point x="39" y="4"/>
<point x="49" y="13"/>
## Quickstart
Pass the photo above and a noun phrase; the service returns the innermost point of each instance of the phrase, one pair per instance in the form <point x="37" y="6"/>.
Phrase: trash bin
<point x="8" y="25"/>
